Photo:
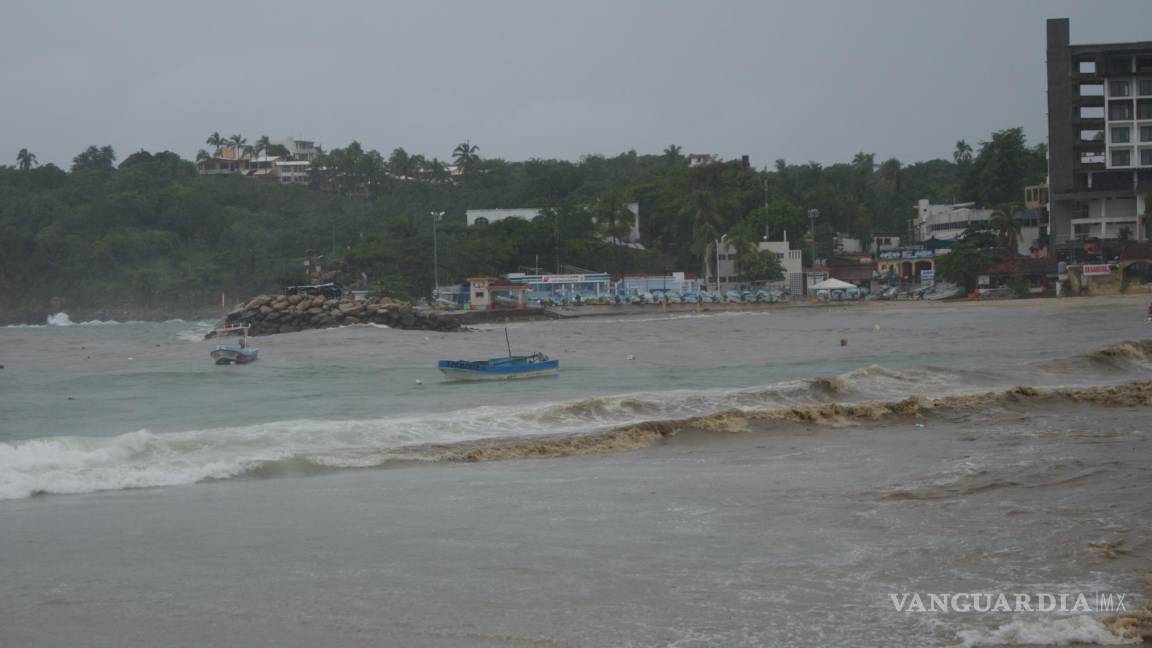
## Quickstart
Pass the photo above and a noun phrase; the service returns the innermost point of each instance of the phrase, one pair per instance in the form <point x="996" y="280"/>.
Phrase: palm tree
<point x="963" y="153"/>
<point x="672" y="153"/>
<point x="216" y="142"/>
<point x="202" y="155"/>
<point x="706" y="223"/>
<point x="1006" y="227"/>
<point x="238" y="142"/>
<point x="891" y="175"/>
<point x="465" y="155"/>
<point x="25" y="160"/>
<point x="262" y="145"/>
<point x="613" y="217"/>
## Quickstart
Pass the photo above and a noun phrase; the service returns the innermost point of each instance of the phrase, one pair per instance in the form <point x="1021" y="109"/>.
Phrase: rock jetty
<point x="268" y="315"/>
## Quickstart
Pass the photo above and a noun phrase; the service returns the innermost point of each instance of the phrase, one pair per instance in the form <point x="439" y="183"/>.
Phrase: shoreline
<point x="137" y="314"/>
<point x="570" y="312"/>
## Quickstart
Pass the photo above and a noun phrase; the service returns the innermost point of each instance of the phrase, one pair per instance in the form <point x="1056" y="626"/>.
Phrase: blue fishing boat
<point x="502" y="368"/>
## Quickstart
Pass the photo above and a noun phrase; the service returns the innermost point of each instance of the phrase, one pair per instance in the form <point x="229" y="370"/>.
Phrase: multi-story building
<point x="1099" y="137"/>
<point x="291" y="169"/>
<point x="947" y="222"/>
<point x="301" y="150"/>
<point x="724" y="276"/>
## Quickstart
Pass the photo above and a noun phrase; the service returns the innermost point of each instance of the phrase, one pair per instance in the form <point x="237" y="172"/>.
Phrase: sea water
<point x="318" y="496"/>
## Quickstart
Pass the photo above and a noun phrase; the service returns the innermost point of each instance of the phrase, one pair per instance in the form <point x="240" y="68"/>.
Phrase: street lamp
<point x="813" y="214"/>
<point x="716" y="271"/>
<point x="435" y="256"/>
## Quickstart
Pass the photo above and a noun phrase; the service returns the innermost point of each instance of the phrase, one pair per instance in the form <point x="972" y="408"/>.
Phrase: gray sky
<point x="798" y="80"/>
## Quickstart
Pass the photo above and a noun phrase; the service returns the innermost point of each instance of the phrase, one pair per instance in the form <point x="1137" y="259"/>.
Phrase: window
<point x="1120" y="111"/>
<point x="1145" y="157"/>
<point x="1091" y="89"/>
<point x="1121" y="135"/>
<point x="1091" y="112"/>
<point x="1120" y="65"/>
<point x="1121" y="157"/>
<point x="1121" y="88"/>
<point x="1092" y="135"/>
<point x="1086" y="67"/>
<point x="1146" y="133"/>
<point x="1145" y="87"/>
<point x="1144" y="110"/>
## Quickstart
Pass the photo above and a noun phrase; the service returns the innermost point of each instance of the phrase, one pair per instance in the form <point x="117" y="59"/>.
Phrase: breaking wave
<point x="1078" y="630"/>
<point x="592" y="426"/>
<point x="62" y="319"/>
<point x="1122" y="356"/>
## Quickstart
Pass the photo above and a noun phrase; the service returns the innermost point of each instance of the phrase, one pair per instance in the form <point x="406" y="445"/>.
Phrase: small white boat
<point x="226" y="355"/>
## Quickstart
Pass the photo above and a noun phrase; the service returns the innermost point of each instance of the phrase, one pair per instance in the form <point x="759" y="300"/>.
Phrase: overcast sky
<point x="797" y="80"/>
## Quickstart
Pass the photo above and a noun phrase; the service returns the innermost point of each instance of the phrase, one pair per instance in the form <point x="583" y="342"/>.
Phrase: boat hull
<point x="464" y="370"/>
<point x="232" y="355"/>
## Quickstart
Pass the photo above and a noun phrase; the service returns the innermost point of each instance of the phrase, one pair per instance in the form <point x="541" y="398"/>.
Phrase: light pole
<point x="435" y="257"/>
<point x="813" y="214"/>
<point x="716" y="270"/>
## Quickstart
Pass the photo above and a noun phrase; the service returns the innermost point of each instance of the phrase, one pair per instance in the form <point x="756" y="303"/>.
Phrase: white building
<point x="293" y="171"/>
<point x="947" y="222"/>
<point x="725" y="274"/>
<point x="300" y="149"/>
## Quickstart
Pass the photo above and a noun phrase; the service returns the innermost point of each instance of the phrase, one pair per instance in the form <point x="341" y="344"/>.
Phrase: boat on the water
<point x="502" y="368"/>
<point x="226" y="355"/>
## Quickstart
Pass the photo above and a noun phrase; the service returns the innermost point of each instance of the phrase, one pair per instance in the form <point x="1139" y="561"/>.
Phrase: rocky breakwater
<point x="267" y="315"/>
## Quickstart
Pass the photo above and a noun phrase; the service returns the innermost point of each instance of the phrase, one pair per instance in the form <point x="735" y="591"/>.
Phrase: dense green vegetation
<point x="150" y="232"/>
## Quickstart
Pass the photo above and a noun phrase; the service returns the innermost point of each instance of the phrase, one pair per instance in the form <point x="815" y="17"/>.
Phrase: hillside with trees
<point x="149" y="233"/>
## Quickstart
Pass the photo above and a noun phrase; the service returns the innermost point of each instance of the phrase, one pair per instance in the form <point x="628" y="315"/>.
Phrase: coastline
<point x="128" y="313"/>
<point x="876" y="304"/>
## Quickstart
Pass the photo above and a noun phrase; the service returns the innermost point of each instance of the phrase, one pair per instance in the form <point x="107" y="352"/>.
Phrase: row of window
<point x="1123" y="88"/>
<point x="954" y="225"/>
<point x="1123" y="134"/>
<point x="1123" y="157"/>
<point x="732" y="257"/>
<point x="1122" y="110"/>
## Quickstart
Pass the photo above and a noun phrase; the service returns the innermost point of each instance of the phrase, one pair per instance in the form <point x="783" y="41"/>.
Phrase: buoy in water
<point x="875" y="327"/>
<point x="843" y="341"/>
<point x="419" y="382"/>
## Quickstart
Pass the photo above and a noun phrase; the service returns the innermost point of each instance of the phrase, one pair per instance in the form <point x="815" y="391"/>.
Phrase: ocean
<point x="783" y="477"/>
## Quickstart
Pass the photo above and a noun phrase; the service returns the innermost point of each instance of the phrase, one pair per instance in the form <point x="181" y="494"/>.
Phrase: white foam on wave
<point x="73" y="464"/>
<point x="1045" y="632"/>
<point x="194" y="334"/>
<point x="63" y="319"/>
